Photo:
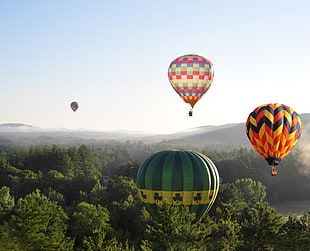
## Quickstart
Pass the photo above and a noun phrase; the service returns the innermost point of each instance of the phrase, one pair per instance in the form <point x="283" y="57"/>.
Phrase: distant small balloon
<point x="74" y="106"/>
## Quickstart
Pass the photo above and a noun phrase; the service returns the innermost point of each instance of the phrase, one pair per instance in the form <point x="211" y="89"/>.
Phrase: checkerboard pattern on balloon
<point x="191" y="76"/>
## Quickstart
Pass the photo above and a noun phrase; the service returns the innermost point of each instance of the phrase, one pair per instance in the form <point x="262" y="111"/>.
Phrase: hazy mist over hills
<point x="223" y="135"/>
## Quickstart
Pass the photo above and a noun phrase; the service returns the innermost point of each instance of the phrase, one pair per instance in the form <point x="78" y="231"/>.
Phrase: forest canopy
<point x="85" y="198"/>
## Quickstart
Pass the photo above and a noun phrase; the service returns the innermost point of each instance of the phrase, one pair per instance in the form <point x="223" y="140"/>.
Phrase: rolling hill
<point x="232" y="135"/>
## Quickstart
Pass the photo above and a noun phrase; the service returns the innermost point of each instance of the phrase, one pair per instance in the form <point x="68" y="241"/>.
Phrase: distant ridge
<point x="228" y="135"/>
<point x="16" y="125"/>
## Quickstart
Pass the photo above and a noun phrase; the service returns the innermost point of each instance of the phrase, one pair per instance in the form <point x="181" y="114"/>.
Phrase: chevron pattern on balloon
<point x="273" y="130"/>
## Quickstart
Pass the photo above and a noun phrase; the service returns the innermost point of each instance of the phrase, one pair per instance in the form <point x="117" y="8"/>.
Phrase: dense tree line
<point x="58" y="198"/>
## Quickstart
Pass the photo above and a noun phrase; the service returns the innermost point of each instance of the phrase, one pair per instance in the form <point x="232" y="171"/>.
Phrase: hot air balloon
<point x="180" y="178"/>
<point x="191" y="77"/>
<point x="273" y="130"/>
<point x="74" y="106"/>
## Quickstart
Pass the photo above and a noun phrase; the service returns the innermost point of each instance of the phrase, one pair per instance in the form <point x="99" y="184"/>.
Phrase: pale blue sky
<point x="113" y="56"/>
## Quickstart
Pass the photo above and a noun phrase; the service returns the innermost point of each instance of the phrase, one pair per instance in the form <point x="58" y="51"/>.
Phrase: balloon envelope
<point x="191" y="77"/>
<point x="74" y="106"/>
<point x="273" y="130"/>
<point x="181" y="178"/>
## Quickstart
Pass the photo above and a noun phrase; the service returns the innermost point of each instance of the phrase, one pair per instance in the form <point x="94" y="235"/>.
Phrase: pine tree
<point x="174" y="230"/>
<point x="6" y="203"/>
<point x="260" y="227"/>
<point x="40" y="224"/>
